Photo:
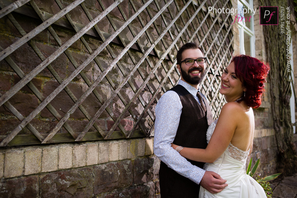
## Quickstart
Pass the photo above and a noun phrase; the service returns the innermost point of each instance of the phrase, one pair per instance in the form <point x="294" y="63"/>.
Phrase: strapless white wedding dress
<point x="231" y="166"/>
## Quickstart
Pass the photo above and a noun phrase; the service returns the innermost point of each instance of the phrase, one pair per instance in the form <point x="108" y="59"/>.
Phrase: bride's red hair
<point x="252" y="73"/>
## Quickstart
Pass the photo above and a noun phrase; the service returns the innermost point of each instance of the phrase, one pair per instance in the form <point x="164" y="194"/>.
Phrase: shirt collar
<point x="188" y="87"/>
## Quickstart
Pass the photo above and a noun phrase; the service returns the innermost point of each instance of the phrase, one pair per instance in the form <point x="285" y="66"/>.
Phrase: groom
<point x="182" y="117"/>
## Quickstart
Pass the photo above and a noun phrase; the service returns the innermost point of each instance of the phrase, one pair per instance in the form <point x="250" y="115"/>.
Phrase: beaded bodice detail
<point x="231" y="150"/>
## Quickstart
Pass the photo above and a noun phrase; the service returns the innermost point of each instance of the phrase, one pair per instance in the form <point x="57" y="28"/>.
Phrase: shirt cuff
<point x="197" y="175"/>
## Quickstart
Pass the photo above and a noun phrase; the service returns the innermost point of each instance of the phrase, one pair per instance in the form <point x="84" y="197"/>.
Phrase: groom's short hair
<point x="185" y="47"/>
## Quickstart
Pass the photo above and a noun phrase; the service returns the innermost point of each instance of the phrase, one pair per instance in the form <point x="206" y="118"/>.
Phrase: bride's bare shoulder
<point x="231" y="106"/>
<point x="233" y="110"/>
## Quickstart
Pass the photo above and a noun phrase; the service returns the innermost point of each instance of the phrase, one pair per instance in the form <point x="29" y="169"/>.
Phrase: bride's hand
<point x="174" y="146"/>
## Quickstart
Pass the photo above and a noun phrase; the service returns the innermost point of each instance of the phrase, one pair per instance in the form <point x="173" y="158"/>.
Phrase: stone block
<point x="92" y="153"/>
<point x="149" y="146"/>
<point x="43" y="126"/>
<point x="132" y="149"/>
<point x="131" y="191"/>
<point x="103" y="152"/>
<point x="106" y="178"/>
<point x="111" y="176"/>
<point x="1" y="164"/>
<point x="60" y="64"/>
<point x="62" y="102"/>
<point x="65" y="156"/>
<point x="14" y="163"/>
<point x="156" y="167"/>
<point x="127" y="124"/>
<point x="20" y="187"/>
<point x="36" y="81"/>
<point x="113" y="151"/>
<point x="32" y="160"/>
<point x="5" y="84"/>
<point x="123" y="150"/>
<point x="91" y="103"/>
<point x="79" y="155"/>
<point x="125" y="173"/>
<point x="260" y="123"/>
<point x="76" y="125"/>
<point x="26" y="58"/>
<point x="50" y="159"/>
<point x="286" y="188"/>
<point x="153" y="190"/>
<point x="25" y="103"/>
<point x="76" y="183"/>
<point x="141" y="147"/>
<point x="142" y="170"/>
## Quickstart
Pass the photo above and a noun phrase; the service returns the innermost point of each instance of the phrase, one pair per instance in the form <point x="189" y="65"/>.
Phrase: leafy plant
<point x="264" y="182"/>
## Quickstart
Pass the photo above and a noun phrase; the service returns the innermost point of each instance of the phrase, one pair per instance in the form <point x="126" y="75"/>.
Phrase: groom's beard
<point x="193" y="80"/>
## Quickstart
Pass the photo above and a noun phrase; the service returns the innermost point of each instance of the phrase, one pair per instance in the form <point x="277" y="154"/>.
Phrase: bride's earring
<point x="244" y="94"/>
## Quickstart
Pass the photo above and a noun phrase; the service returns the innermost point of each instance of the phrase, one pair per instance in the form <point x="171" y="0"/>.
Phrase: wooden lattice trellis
<point x="75" y="70"/>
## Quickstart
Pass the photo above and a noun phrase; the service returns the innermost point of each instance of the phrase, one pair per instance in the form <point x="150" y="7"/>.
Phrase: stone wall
<point x="124" y="168"/>
<point x="264" y="147"/>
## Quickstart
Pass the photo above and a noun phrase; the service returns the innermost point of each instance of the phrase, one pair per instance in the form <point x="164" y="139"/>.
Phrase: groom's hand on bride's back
<point x="213" y="182"/>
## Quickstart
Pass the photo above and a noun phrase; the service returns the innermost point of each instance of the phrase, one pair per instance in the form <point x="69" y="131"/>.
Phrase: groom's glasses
<point x="190" y="61"/>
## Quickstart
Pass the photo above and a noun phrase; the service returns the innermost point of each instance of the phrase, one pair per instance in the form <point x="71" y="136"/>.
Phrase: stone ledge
<point x="40" y="159"/>
<point x="264" y="132"/>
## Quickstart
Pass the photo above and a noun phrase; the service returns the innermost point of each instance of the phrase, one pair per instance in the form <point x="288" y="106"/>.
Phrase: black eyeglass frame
<point x="204" y="58"/>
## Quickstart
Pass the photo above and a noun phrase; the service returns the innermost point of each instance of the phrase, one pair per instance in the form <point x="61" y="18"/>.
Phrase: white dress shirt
<point x="168" y="112"/>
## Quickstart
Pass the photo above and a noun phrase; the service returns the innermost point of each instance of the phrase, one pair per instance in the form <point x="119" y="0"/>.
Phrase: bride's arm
<point x="222" y="136"/>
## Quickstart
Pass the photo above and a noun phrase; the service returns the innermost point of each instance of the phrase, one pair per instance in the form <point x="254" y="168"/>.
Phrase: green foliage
<point x="264" y="181"/>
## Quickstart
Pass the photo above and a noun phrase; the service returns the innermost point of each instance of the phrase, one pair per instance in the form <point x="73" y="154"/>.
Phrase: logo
<point x="268" y="15"/>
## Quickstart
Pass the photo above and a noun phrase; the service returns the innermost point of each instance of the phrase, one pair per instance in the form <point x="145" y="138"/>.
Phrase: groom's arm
<point x="168" y="112"/>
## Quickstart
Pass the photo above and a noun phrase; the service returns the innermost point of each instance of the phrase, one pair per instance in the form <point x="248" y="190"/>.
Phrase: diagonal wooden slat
<point x="6" y="52"/>
<point x="11" y="7"/>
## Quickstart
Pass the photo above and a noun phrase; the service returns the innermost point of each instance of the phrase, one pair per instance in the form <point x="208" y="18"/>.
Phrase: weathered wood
<point x="54" y="55"/>
<point x="13" y="6"/>
<point x="41" y="66"/>
<point x="21" y="117"/>
<point x="23" y="139"/>
<point x="6" y="52"/>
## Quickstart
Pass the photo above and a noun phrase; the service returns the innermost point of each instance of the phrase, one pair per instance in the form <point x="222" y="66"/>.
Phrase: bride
<point x="230" y="138"/>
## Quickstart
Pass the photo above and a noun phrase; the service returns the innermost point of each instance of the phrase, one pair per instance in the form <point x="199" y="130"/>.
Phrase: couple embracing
<point x="199" y="156"/>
